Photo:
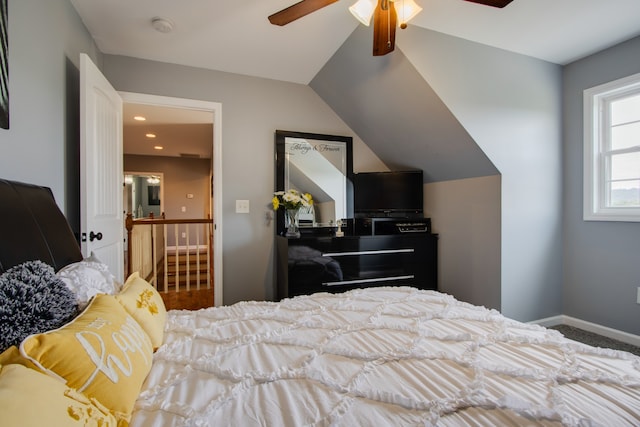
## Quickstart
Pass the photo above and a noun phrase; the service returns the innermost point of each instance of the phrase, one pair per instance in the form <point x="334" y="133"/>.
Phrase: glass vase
<point x="291" y="221"/>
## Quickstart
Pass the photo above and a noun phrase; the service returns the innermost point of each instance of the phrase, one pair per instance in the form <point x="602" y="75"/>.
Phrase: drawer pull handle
<point x="377" y="279"/>
<point x="383" y="251"/>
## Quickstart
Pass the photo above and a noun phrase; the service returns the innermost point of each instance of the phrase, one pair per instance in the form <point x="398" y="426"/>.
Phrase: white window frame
<point x="595" y="127"/>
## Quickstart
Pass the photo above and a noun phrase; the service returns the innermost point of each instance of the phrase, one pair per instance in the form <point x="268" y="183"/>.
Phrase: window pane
<point x="625" y="110"/>
<point x="625" y="136"/>
<point x="624" y="194"/>
<point x="625" y="166"/>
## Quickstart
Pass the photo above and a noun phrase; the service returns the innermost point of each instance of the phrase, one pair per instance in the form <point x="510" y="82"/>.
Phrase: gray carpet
<point x="595" y="339"/>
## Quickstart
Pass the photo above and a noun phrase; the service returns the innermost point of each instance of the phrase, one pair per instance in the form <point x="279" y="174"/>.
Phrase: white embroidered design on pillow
<point x="130" y="339"/>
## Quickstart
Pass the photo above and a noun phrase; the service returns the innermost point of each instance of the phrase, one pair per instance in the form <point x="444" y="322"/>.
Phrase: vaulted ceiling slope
<point x="397" y="113"/>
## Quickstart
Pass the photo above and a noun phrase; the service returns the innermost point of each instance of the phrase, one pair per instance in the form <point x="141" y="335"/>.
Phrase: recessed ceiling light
<point x="158" y="147"/>
<point x="150" y="135"/>
<point x="139" y="118"/>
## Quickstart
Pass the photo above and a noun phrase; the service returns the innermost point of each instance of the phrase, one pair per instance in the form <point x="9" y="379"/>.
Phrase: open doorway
<point x="180" y="139"/>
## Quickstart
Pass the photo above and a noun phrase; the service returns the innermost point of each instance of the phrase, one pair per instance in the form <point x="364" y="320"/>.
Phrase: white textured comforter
<point x="380" y="357"/>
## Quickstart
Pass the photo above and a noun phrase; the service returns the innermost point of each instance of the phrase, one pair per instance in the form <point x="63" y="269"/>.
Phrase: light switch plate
<point x="242" y="206"/>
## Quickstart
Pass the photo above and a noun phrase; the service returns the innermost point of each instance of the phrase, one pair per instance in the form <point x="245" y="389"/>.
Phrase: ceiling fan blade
<point x="298" y="10"/>
<point x="494" y="3"/>
<point x="384" y="28"/>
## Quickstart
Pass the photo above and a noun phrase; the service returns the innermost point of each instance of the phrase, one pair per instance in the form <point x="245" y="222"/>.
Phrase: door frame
<point x="216" y="110"/>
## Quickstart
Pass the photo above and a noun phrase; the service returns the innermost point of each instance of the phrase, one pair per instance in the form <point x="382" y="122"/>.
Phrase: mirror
<point x="143" y="194"/>
<point x="320" y="165"/>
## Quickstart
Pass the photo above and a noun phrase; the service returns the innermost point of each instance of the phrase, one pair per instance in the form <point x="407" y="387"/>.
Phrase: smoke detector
<point x="162" y="25"/>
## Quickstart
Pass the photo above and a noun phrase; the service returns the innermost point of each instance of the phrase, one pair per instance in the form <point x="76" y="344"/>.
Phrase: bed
<point x="372" y="357"/>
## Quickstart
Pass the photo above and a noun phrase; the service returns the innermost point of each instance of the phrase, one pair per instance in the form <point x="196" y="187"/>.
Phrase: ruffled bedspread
<point x="380" y="357"/>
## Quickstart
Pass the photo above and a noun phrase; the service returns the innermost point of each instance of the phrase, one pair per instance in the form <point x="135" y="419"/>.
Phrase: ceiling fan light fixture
<point x="362" y="10"/>
<point x="406" y="11"/>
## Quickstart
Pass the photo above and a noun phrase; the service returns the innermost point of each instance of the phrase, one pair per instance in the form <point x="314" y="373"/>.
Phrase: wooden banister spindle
<point x="158" y="262"/>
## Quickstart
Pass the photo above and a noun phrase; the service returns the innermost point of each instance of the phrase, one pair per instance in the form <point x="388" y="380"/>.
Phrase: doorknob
<point x="93" y="236"/>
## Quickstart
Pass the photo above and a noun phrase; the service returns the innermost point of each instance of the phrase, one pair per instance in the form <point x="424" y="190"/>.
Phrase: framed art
<point x="154" y="195"/>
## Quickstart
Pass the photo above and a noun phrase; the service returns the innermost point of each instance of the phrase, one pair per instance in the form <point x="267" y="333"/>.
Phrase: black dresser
<point x="336" y="264"/>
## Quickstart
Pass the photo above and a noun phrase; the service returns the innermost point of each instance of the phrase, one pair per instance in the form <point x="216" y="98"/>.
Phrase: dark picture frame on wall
<point x="4" y="65"/>
<point x="154" y="195"/>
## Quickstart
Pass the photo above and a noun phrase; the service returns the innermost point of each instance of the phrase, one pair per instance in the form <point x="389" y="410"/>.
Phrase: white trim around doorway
<point x="216" y="110"/>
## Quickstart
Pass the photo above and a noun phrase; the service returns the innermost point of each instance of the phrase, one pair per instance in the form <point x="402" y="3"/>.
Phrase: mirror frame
<point x="280" y="137"/>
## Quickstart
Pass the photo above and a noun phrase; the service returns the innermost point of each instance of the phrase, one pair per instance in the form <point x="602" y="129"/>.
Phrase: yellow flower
<point x="308" y="198"/>
<point x="144" y="300"/>
<point x="291" y="199"/>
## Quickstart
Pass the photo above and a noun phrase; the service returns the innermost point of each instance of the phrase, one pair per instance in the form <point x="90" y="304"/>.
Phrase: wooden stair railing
<point x="182" y="272"/>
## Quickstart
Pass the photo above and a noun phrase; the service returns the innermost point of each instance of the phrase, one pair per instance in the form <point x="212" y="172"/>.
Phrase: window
<point x="612" y="151"/>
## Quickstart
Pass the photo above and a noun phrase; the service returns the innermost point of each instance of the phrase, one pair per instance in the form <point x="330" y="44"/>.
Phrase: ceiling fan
<point x="385" y="17"/>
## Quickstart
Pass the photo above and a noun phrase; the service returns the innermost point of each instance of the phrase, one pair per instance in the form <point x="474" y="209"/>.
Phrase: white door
<point x="101" y="178"/>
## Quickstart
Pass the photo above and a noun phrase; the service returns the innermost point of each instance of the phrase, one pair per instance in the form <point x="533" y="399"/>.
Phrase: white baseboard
<point x="591" y="327"/>
<point x="550" y="321"/>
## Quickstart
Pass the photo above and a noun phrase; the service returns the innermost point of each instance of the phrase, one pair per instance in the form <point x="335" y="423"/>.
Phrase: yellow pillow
<point x="31" y="399"/>
<point x="12" y="355"/>
<point x="143" y="302"/>
<point x="103" y="353"/>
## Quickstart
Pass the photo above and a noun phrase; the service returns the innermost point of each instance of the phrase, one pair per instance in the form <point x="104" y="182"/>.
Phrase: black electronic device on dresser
<point x="386" y="226"/>
<point x="391" y="194"/>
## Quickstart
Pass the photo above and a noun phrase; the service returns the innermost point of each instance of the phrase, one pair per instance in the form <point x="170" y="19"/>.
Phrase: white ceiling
<point x="180" y="132"/>
<point x="235" y="35"/>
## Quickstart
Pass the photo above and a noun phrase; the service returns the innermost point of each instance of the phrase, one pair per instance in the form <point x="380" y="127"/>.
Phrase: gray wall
<point x="601" y="258"/>
<point x="397" y="113"/>
<point x="252" y="109"/>
<point x="41" y="146"/>
<point x="465" y="213"/>
<point x="511" y="106"/>
<point x="475" y="111"/>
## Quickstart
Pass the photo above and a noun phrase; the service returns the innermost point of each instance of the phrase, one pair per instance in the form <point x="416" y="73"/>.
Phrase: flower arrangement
<point x="291" y="199"/>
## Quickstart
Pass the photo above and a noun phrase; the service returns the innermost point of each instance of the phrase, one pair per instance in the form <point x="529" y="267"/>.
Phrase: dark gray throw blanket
<point x="32" y="300"/>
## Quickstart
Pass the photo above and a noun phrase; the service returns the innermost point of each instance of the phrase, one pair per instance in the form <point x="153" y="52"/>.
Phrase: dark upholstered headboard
<point x="32" y="227"/>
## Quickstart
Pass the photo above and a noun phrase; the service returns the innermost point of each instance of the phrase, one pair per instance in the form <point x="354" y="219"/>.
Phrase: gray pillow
<point x="32" y="300"/>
